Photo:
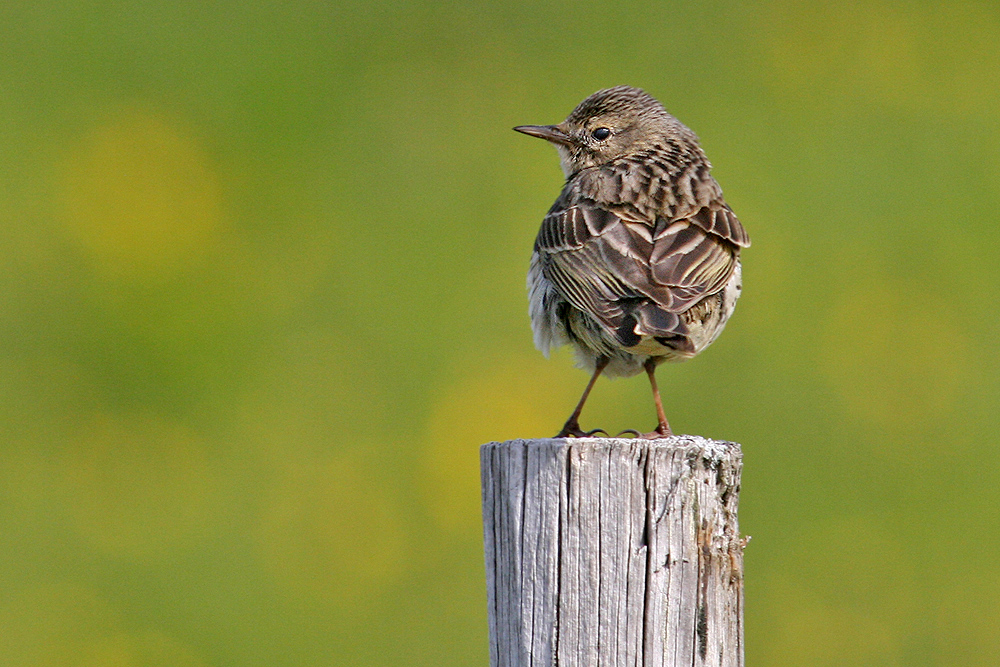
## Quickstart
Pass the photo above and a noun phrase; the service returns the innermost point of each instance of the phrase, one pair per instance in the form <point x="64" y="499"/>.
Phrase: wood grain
<point x="613" y="552"/>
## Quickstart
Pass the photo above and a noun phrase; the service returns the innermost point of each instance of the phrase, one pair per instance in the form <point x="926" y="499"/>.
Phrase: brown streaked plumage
<point x="638" y="261"/>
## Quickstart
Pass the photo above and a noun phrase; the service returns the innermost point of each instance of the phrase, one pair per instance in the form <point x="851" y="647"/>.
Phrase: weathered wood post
<point x="613" y="552"/>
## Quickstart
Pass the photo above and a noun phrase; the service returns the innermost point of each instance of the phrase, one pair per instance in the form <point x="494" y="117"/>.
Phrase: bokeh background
<point x="262" y="298"/>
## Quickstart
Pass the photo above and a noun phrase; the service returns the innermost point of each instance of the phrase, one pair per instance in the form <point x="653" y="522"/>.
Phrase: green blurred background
<point x="262" y="297"/>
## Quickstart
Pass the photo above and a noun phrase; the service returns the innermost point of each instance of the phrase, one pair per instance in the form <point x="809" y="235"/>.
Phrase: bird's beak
<point x="551" y="133"/>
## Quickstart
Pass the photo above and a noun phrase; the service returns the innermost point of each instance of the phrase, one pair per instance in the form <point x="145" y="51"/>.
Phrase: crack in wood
<point x="606" y="552"/>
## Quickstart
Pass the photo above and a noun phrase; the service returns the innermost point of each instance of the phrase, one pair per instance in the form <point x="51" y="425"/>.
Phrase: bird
<point x="638" y="260"/>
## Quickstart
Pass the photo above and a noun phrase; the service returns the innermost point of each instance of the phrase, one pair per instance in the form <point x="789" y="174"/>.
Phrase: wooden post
<point x="613" y="552"/>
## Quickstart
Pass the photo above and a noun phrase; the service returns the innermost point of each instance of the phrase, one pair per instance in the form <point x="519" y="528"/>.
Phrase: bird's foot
<point x="572" y="430"/>
<point x="660" y="432"/>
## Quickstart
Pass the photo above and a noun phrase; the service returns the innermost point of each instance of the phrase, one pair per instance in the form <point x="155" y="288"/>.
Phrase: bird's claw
<point x="652" y="435"/>
<point x="574" y="431"/>
<point x="660" y="432"/>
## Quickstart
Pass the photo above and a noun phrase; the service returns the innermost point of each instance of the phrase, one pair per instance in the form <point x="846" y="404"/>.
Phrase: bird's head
<point x="609" y="125"/>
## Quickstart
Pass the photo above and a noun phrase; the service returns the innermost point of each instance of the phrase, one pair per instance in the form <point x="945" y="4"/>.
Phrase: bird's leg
<point x="663" y="428"/>
<point x="572" y="426"/>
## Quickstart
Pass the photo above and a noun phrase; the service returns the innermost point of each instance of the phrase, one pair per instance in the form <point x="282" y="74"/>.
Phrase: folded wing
<point x="632" y="277"/>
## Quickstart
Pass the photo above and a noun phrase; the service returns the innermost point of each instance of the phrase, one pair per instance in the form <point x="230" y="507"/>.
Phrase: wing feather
<point x="634" y="278"/>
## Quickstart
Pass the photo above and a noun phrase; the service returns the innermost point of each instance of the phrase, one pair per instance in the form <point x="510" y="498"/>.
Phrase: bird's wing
<point x="633" y="277"/>
<point x="716" y="217"/>
<point x="693" y="195"/>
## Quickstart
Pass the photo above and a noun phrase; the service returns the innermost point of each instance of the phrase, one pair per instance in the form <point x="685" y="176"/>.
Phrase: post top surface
<point x="710" y="449"/>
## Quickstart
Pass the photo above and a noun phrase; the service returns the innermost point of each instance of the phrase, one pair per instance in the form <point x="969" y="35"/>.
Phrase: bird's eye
<point x="601" y="133"/>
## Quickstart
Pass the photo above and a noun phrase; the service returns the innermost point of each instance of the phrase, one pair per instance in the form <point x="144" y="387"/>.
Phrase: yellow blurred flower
<point x="140" y="196"/>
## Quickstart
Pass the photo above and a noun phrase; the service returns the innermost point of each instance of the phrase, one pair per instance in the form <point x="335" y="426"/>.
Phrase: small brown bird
<point x="638" y="261"/>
